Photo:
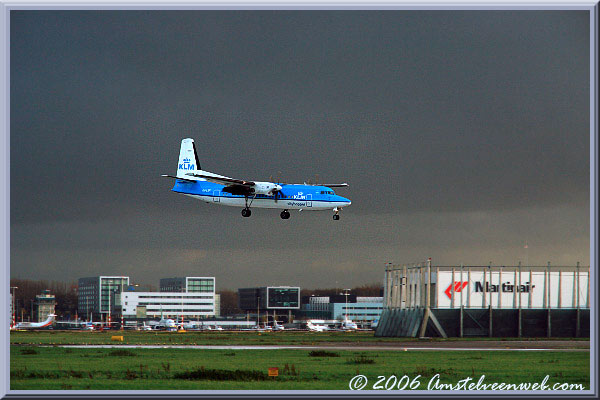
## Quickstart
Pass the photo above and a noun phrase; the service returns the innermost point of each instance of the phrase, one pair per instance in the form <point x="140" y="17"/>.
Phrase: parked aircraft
<point x="316" y="328"/>
<point x="166" y="324"/>
<point x="375" y="323"/>
<point x="36" y="325"/>
<point x="192" y="181"/>
<point x="348" y="325"/>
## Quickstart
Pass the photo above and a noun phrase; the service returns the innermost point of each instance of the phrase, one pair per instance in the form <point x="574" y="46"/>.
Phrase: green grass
<point x="56" y="368"/>
<point x="215" y="338"/>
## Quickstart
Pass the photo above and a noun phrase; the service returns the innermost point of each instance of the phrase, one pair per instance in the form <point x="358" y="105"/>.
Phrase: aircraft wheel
<point x="336" y="217"/>
<point x="285" y="214"/>
<point x="246" y="212"/>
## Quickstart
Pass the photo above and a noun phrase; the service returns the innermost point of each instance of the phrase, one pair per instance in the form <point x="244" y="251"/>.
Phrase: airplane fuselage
<point x="290" y="197"/>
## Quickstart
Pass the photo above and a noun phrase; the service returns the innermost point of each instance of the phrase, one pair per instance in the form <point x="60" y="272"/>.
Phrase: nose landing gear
<point x="336" y="213"/>
<point x="285" y="214"/>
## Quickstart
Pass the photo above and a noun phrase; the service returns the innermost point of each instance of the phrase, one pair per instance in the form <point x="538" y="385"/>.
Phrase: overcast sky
<point x="463" y="135"/>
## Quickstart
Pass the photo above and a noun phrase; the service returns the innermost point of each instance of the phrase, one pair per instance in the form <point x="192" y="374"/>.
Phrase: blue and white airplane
<point x="192" y="181"/>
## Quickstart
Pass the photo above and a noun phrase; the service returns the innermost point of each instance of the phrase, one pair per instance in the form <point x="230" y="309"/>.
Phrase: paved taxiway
<point x="471" y="345"/>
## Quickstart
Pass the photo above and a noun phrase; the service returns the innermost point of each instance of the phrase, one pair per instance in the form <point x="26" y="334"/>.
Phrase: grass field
<point x="57" y="368"/>
<point x="35" y="367"/>
<point x="211" y="338"/>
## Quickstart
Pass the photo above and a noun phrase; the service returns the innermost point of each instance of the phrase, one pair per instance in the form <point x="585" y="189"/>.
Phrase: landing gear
<point x="285" y="214"/>
<point x="246" y="211"/>
<point x="336" y="213"/>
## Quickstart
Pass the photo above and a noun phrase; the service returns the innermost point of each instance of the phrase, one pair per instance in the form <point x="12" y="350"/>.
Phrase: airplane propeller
<point x="275" y="192"/>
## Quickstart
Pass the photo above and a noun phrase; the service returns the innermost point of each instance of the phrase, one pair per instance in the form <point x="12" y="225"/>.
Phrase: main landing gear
<point x="285" y="214"/>
<point x="246" y="211"/>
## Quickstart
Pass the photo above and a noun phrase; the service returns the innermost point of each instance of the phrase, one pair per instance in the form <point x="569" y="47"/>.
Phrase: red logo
<point x="458" y="287"/>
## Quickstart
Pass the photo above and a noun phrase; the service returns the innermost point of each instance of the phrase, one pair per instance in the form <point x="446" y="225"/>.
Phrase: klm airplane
<point x="192" y="181"/>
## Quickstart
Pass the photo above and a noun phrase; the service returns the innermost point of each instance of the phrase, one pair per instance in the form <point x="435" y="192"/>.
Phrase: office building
<point x="94" y="295"/>
<point x="141" y="305"/>
<point x="188" y="284"/>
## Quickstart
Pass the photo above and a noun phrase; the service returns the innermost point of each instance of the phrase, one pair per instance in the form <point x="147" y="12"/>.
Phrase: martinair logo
<point x="505" y="287"/>
<point x="458" y="287"/>
<point x="187" y="165"/>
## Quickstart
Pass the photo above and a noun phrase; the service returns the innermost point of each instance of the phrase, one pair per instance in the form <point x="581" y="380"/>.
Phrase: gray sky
<point x="462" y="134"/>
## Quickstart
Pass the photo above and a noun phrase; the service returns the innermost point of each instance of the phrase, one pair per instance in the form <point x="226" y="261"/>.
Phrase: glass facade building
<point x="188" y="284"/>
<point x="94" y="294"/>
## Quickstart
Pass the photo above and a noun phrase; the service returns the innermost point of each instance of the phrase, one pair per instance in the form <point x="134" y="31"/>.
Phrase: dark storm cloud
<point x="421" y="112"/>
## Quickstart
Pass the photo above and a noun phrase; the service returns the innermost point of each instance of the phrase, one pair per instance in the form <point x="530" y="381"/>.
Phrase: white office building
<point x="168" y="304"/>
<point x="190" y="297"/>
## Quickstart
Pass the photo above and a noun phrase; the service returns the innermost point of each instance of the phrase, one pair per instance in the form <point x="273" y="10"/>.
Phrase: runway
<point x="544" y="345"/>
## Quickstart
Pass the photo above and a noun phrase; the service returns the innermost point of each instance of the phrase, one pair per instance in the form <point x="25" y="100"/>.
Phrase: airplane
<point x="316" y="328"/>
<point x="349" y="325"/>
<point x="145" y="327"/>
<point x="36" y="325"/>
<point x="277" y="327"/>
<point x="163" y="324"/>
<point x="192" y="181"/>
<point x="166" y="324"/>
<point x="87" y="326"/>
<point x="375" y="323"/>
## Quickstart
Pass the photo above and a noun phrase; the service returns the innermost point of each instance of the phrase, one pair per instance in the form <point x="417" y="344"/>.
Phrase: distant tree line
<point x="367" y="290"/>
<point x="64" y="292"/>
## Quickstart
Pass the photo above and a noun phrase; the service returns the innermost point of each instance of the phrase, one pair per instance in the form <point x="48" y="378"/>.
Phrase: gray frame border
<point x="6" y="7"/>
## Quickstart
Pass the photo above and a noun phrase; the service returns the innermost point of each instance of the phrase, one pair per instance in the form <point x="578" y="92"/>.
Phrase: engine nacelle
<point x="268" y="188"/>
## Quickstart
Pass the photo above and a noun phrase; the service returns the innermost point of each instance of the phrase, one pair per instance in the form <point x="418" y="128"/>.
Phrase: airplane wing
<point x="233" y="186"/>
<point x="176" y="177"/>
<point x="334" y="185"/>
<point x="223" y="180"/>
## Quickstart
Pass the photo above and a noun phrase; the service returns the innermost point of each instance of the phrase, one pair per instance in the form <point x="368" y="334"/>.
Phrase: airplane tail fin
<point x="188" y="159"/>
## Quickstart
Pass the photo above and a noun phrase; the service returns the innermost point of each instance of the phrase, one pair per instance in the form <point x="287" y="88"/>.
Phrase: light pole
<point x="258" y="313"/>
<point x="346" y="293"/>
<point x="13" y="301"/>
<point x="182" y="288"/>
